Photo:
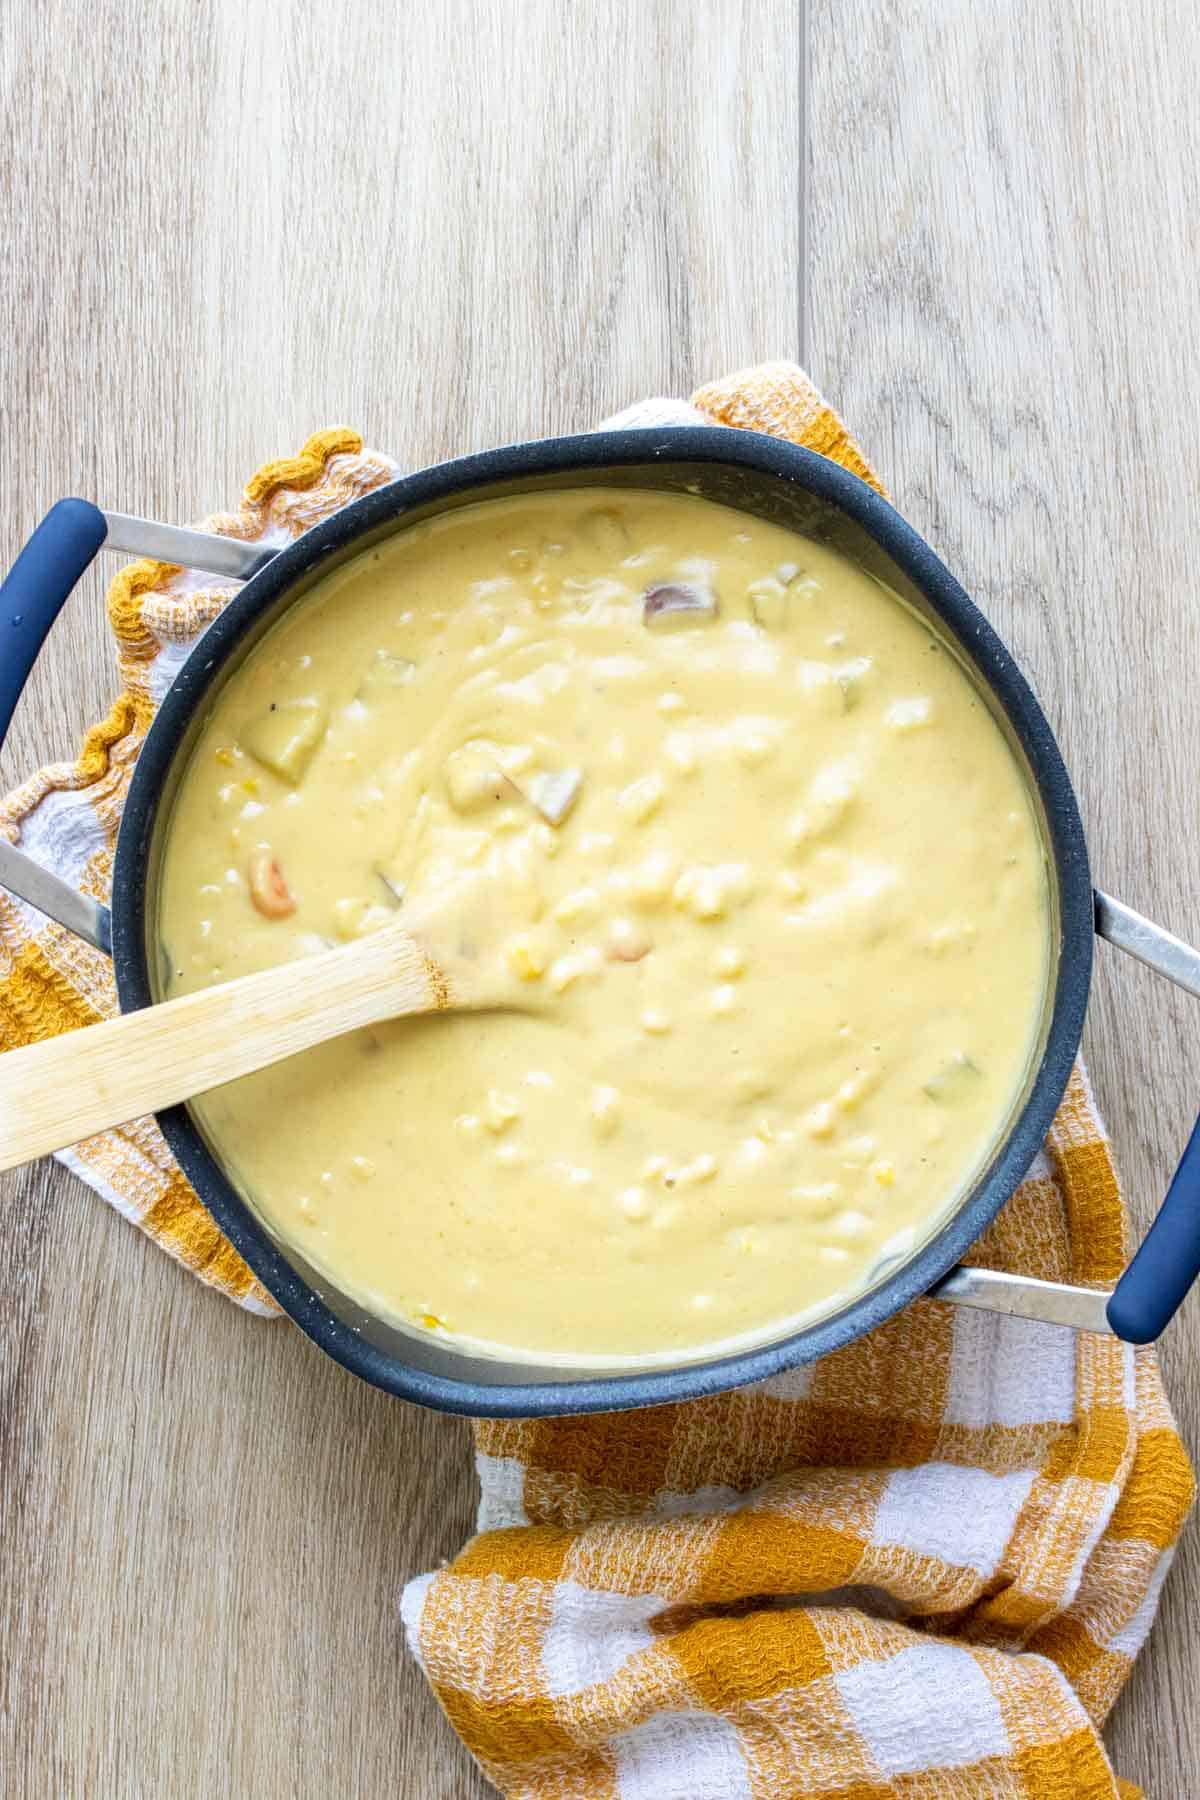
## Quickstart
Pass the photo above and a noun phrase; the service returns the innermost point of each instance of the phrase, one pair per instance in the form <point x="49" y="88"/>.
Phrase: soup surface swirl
<point x="761" y="868"/>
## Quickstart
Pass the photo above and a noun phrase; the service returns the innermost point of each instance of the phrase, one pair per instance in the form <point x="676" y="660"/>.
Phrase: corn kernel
<point x="362" y="1168"/>
<point x="225" y="757"/>
<point x="750" y="1085"/>
<point x="642" y="799"/>
<point x="708" y="890"/>
<point x="580" y="903"/>
<point x="513" y="1156"/>
<point x="606" y="1107"/>
<point x="819" y="1121"/>
<point x="574" y="966"/>
<point x="680" y="752"/>
<point x="650" y="883"/>
<point x="633" y="1202"/>
<point x="730" y="962"/>
<point x="354" y="918"/>
<point x="500" y="1111"/>
<point x="526" y="959"/>
<point x="884" y="1173"/>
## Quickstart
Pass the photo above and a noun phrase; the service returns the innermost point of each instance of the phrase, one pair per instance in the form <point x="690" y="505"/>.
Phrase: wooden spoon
<point x="57" y="1092"/>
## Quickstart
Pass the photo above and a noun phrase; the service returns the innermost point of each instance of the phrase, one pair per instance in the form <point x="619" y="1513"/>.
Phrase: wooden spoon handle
<point x="57" y="1092"/>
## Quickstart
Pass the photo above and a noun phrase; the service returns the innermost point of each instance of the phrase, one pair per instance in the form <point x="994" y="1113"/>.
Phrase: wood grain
<point x="448" y="223"/>
<point x="451" y="224"/>
<point x="1002" y="299"/>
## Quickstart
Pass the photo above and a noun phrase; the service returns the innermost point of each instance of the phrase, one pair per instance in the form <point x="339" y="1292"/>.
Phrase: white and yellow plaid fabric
<point x="922" y="1567"/>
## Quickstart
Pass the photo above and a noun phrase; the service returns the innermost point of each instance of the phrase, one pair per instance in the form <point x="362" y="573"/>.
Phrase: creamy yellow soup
<point x="769" y="891"/>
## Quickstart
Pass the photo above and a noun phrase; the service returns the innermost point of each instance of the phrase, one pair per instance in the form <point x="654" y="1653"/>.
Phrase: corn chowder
<point x="768" y="889"/>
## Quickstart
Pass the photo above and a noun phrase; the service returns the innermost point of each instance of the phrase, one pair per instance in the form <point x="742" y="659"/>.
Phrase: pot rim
<point x="670" y="446"/>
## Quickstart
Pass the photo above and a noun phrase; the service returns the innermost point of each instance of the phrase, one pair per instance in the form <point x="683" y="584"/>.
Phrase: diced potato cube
<point x="851" y="678"/>
<point x="768" y="603"/>
<point x="286" y="738"/>
<point x="909" y="714"/>
<point x="954" y="1081"/>
<point x="472" y="782"/>
<point x="670" y="604"/>
<point x="386" y="675"/>
<point x="605" y="530"/>
<point x="553" y="792"/>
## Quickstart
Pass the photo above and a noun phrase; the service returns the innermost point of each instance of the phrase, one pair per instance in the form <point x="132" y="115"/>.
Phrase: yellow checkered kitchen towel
<point x="921" y="1567"/>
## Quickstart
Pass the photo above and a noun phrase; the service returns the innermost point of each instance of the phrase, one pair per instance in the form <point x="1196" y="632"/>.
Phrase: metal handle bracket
<point x="228" y="556"/>
<point x="1025" y="1297"/>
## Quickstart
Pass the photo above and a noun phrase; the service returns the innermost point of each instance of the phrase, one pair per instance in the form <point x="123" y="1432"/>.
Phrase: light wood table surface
<point x="451" y="224"/>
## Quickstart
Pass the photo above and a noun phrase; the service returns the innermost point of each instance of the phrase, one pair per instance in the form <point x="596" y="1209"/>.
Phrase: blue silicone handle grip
<point x="1168" y="1262"/>
<point x="36" y="588"/>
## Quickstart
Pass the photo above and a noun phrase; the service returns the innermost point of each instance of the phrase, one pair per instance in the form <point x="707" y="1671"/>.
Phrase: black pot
<point x="772" y="480"/>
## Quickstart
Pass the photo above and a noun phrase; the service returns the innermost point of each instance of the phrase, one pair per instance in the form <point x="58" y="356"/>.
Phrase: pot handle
<point x="1167" y="1262"/>
<point x="36" y="588"/>
<point x="31" y="597"/>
